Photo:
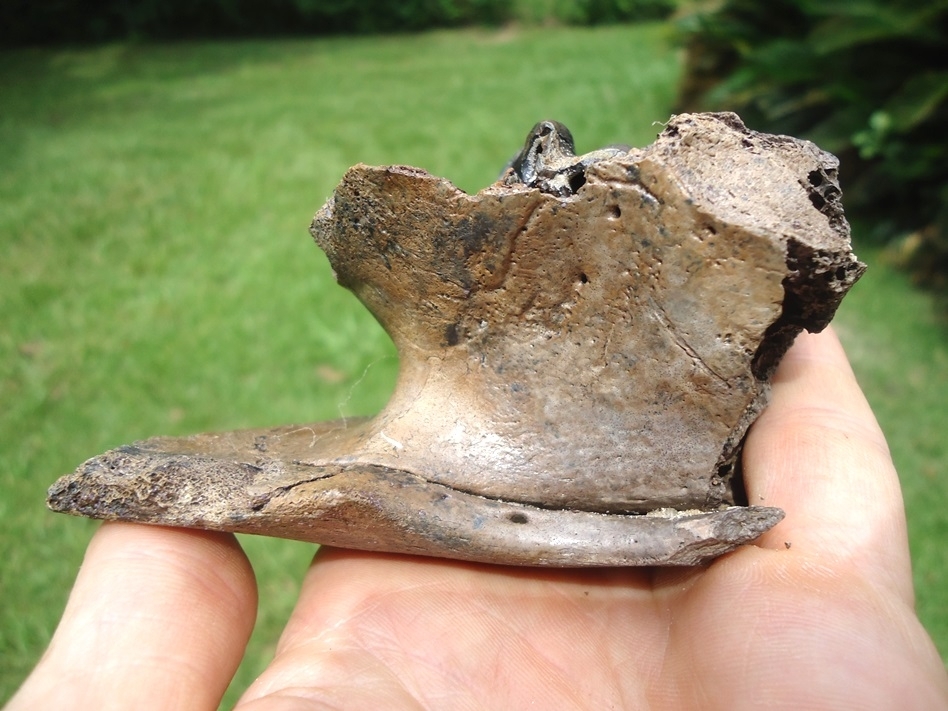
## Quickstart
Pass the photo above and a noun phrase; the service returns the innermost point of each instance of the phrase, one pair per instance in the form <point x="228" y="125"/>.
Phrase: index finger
<point x="158" y="618"/>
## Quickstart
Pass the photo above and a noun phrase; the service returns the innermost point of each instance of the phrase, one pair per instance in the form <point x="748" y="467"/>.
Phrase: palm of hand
<point x="451" y="636"/>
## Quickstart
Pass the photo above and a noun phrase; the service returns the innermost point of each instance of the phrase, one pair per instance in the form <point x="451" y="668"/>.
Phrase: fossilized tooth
<point x="579" y="364"/>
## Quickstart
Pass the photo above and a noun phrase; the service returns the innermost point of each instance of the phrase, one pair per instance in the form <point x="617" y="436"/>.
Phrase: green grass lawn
<point x="157" y="276"/>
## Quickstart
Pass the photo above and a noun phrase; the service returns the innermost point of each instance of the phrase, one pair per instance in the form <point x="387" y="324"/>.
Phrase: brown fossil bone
<point x="583" y="346"/>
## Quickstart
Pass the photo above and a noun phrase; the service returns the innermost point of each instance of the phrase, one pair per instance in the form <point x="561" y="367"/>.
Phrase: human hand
<point x="817" y="615"/>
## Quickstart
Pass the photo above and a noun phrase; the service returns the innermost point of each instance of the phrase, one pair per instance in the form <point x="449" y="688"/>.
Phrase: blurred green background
<point x="157" y="276"/>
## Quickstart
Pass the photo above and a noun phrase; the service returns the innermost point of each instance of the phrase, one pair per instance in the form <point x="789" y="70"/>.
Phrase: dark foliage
<point x="57" y="21"/>
<point x="45" y="22"/>
<point x="865" y="79"/>
<point x="601" y="12"/>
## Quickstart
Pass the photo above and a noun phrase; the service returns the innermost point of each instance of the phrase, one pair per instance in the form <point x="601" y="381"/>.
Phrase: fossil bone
<point x="583" y="347"/>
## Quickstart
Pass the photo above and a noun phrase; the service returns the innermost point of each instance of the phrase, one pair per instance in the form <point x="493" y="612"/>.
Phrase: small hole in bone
<point x="517" y="518"/>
